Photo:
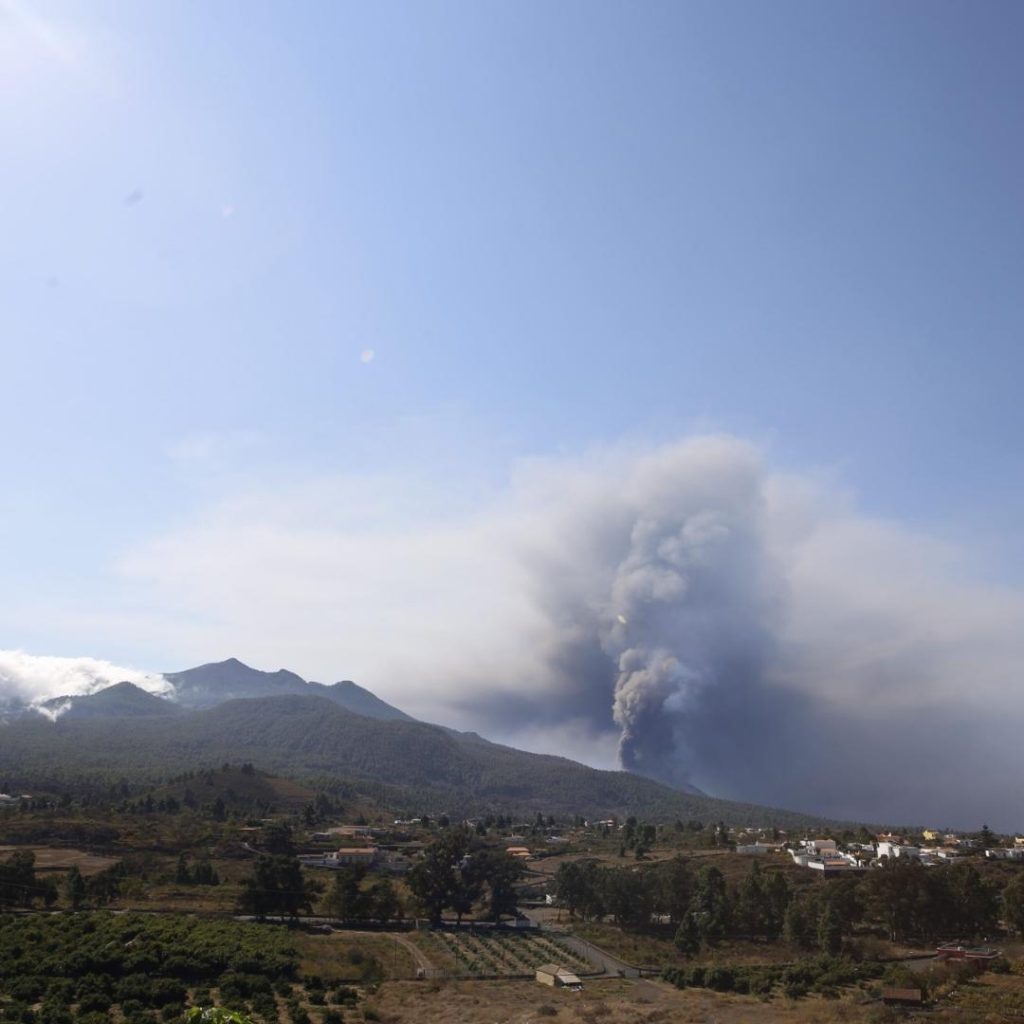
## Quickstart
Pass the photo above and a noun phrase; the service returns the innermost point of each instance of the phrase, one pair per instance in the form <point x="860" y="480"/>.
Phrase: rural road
<point x="417" y="954"/>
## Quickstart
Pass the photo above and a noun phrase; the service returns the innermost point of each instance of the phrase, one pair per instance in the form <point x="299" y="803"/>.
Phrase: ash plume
<point x="686" y="611"/>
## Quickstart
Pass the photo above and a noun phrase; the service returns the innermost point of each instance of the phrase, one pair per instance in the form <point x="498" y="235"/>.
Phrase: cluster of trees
<point x="456" y="873"/>
<point x="320" y="809"/>
<point x="19" y="886"/>
<point x="278" y="887"/>
<point x="930" y="903"/>
<point x="202" y="874"/>
<point x="824" y="974"/>
<point x="638" y="838"/>
<point x="351" y="900"/>
<point x="907" y="898"/>
<point x="632" y="897"/>
<point x="95" y="891"/>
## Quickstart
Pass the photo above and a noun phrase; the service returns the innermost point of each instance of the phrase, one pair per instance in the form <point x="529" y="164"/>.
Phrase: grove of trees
<point x="906" y="899"/>
<point x="457" y="872"/>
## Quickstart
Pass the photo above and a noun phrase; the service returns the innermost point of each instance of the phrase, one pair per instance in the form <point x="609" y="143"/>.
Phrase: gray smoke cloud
<point x="688" y="605"/>
<point x="687" y="611"/>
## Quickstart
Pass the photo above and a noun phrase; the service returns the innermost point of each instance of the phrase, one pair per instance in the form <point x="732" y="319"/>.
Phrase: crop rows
<point x="503" y="953"/>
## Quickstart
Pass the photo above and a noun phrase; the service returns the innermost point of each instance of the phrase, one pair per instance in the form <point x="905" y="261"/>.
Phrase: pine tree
<point x="74" y="887"/>
<point x="830" y="930"/>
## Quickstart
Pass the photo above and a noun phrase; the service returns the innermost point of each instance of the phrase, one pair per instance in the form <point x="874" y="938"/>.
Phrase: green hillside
<point x="122" y="700"/>
<point x="409" y="764"/>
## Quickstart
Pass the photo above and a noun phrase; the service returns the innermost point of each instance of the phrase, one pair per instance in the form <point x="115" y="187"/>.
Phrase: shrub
<point x="165" y="991"/>
<point x="794" y="989"/>
<point x="95" y="984"/>
<point x="61" y="990"/>
<point x="721" y="979"/>
<point x="55" y="1013"/>
<point x="94" y="1002"/>
<point x="345" y="995"/>
<point x="26" y="989"/>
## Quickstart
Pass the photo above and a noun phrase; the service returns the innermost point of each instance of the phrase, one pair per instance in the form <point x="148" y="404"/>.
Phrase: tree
<point x="673" y="881"/>
<point x="74" y="887"/>
<point x="830" y="930"/>
<point x="278" y="839"/>
<point x="628" y="898"/>
<point x="277" y="886"/>
<point x="796" y="928"/>
<point x="500" y="872"/>
<point x="1013" y="903"/>
<point x="753" y="909"/>
<point x="384" y="901"/>
<point x="687" y="938"/>
<point x="346" y="900"/>
<point x="892" y="893"/>
<point x="435" y="879"/>
<point x="18" y="886"/>
<point x="569" y="885"/>
<point x="986" y="838"/>
<point x="182" y="875"/>
<point x="975" y="903"/>
<point x="778" y="897"/>
<point x="710" y="905"/>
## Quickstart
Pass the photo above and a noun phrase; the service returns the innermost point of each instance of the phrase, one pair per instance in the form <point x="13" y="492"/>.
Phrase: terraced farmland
<point x="475" y="953"/>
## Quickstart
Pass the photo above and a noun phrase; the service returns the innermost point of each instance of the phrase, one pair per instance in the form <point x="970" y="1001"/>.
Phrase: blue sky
<point x="558" y="228"/>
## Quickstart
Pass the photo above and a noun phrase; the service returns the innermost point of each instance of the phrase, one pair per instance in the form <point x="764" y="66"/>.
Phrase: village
<point x="541" y="909"/>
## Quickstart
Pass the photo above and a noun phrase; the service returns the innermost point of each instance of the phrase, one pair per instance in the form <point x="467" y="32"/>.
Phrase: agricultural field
<point x="56" y="969"/>
<point x="479" y="953"/>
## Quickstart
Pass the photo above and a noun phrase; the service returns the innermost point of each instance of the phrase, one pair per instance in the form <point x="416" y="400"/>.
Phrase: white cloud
<point x="33" y="678"/>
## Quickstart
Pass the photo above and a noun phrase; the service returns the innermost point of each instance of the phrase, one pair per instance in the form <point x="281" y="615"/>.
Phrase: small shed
<point x="558" y="977"/>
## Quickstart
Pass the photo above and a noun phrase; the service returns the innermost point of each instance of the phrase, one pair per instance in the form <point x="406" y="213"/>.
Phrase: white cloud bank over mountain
<point x="31" y="678"/>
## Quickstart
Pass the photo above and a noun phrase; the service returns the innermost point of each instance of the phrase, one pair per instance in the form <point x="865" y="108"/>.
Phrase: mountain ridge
<point x="407" y="765"/>
<point x="218" y="681"/>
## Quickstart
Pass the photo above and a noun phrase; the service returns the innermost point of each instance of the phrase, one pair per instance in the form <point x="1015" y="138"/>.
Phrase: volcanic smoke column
<point x="690" y="607"/>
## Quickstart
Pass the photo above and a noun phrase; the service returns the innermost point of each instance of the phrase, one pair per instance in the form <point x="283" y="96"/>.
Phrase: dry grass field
<point x="353" y="956"/>
<point x="49" y="860"/>
<point x="601" y="1002"/>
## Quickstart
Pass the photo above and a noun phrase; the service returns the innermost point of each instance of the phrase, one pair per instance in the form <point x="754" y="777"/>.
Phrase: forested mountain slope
<point x="410" y="764"/>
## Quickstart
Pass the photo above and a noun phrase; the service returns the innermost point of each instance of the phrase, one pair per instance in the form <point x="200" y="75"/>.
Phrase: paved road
<point x="594" y="955"/>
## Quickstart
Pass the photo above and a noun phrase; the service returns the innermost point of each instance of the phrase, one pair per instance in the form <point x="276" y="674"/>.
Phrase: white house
<point x="893" y="850"/>
<point x="1006" y="853"/>
<point x="818" y="847"/>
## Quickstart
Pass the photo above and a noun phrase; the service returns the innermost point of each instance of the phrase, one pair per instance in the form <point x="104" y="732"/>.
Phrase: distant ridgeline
<point x="342" y="733"/>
